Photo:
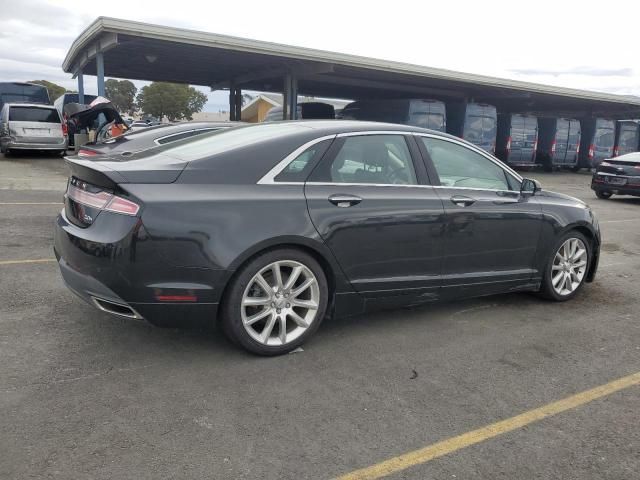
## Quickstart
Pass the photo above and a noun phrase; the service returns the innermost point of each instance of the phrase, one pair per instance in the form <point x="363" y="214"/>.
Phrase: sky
<point x="587" y="44"/>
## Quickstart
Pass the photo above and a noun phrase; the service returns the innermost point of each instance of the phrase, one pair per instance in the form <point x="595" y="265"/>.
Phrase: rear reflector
<point x="103" y="201"/>
<point x="591" y="150"/>
<point x="176" y="298"/>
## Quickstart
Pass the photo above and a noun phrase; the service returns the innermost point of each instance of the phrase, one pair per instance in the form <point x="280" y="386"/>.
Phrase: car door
<point x="491" y="230"/>
<point x="370" y="201"/>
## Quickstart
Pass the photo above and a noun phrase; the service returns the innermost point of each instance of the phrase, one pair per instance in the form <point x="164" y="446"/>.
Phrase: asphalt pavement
<point x="87" y="395"/>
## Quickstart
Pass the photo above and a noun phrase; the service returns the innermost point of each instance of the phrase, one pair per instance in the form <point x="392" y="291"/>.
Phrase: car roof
<point x="335" y="127"/>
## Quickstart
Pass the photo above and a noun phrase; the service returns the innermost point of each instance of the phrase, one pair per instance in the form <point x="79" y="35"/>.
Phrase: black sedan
<point x="272" y="227"/>
<point x="149" y="137"/>
<point x="617" y="176"/>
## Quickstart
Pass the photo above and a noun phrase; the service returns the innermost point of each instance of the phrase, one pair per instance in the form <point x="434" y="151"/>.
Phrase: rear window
<point x="33" y="114"/>
<point x="480" y="129"/>
<point x="604" y="137"/>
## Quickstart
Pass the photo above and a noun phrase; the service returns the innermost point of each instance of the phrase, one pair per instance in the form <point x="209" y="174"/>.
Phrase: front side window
<point x="459" y="166"/>
<point x="371" y="159"/>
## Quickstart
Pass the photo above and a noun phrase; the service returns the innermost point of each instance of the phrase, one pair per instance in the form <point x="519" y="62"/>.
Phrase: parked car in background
<point x="596" y="143"/>
<point x="306" y="111"/>
<point x="417" y="112"/>
<point x="617" y="176"/>
<point x="22" y="92"/>
<point x="627" y="137"/>
<point x="474" y="122"/>
<point x="517" y="139"/>
<point x="140" y="140"/>
<point x="269" y="226"/>
<point x="558" y="142"/>
<point x="25" y="126"/>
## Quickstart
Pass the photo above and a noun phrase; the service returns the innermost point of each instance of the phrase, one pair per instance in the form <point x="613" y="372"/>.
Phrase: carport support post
<point x="235" y="103"/>
<point x="238" y="103"/>
<point x="290" y="97"/>
<point x="80" y="87"/>
<point x="100" y="73"/>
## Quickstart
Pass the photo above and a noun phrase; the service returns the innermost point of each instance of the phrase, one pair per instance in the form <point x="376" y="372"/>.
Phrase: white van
<point x="28" y="126"/>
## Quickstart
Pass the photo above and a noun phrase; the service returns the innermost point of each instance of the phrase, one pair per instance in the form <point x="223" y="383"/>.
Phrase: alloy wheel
<point x="280" y="303"/>
<point x="569" y="266"/>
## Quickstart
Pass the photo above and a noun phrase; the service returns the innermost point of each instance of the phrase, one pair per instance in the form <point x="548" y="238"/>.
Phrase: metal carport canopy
<point x="142" y="51"/>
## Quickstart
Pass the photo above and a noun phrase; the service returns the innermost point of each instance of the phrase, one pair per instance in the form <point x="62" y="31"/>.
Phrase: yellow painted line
<point x="20" y="262"/>
<point x="29" y="203"/>
<point x="444" y="447"/>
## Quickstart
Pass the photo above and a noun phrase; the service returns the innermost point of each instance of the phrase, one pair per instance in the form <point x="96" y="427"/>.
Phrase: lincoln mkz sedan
<point x="270" y="228"/>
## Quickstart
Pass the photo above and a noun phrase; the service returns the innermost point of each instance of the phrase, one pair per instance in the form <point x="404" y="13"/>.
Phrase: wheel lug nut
<point x="278" y="310"/>
<point x="288" y="305"/>
<point x="273" y="304"/>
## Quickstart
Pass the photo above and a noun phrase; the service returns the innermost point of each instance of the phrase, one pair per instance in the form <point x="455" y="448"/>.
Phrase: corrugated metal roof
<point x="106" y="25"/>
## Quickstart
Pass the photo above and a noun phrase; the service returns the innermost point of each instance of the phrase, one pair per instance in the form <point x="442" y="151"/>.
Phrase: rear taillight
<point x="615" y="152"/>
<point x="553" y="146"/>
<point x="509" y="143"/>
<point x="122" y="205"/>
<point x="83" y="152"/>
<point x="65" y="129"/>
<point x="578" y="148"/>
<point x="592" y="150"/>
<point x="102" y="201"/>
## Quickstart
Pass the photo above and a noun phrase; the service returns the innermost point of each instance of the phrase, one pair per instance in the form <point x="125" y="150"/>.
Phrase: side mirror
<point x="530" y="186"/>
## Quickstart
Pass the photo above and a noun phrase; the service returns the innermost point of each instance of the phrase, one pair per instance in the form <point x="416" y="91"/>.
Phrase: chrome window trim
<point x="269" y="177"/>
<point x="475" y="149"/>
<point x="157" y="140"/>
<point x="339" y="184"/>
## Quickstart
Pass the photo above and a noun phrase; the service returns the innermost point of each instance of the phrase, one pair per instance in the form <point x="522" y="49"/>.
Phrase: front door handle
<point x="462" y="201"/>
<point x="344" y="201"/>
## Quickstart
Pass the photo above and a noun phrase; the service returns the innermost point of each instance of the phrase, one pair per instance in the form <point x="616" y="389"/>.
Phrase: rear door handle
<point x="462" y="201"/>
<point x="341" y="200"/>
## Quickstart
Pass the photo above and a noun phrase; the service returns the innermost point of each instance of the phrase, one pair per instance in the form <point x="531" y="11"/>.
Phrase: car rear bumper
<point x="111" y="277"/>
<point x="598" y="183"/>
<point x="24" y="144"/>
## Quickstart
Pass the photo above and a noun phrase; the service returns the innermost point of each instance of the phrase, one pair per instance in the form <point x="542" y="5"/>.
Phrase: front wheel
<point x="276" y="302"/>
<point x="603" y="194"/>
<point x="567" y="268"/>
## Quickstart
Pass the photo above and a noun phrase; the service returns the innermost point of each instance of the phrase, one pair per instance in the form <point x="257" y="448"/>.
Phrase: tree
<point x="54" y="90"/>
<point x="122" y="94"/>
<point x="173" y="100"/>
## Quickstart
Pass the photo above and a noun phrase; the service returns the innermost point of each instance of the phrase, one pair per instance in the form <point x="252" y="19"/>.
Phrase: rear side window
<point x="33" y="114"/>
<point x="300" y="167"/>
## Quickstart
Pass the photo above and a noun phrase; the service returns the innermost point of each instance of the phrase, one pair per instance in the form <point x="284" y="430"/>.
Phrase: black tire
<point x="546" y="289"/>
<point x="231" y="315"/>
<point x="575" y="169"/>
<point x="603" y="194"/>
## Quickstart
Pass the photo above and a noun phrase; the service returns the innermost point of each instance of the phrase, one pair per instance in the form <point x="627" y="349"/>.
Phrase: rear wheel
<point x="567" y="268"/>
<point x="276" y="302"/>
<point x="603" y="194"/>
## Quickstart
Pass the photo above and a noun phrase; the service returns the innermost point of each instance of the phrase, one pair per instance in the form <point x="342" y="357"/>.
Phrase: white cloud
<point x="571" y="43"/>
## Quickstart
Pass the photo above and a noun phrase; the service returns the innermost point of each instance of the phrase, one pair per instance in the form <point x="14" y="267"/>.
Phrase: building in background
<point x="256" y="110"/>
